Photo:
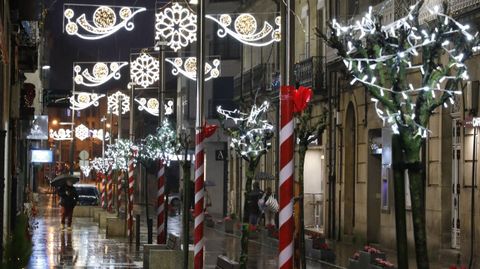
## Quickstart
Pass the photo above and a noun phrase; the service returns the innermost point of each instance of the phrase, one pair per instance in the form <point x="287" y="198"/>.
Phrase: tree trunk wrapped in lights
<point x="249" y="137"/>
<point x="307" y="130"/>
<point x="379" y="57"/>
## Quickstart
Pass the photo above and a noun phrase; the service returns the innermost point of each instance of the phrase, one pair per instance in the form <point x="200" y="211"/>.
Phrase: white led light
<point x="98" y="134"/>
<point x="113" y="105"/>
<point x="188" y="68"/>
<point x="144" y="70"/>
<point x="61" y="134"/>
<point x="82" y="100"/>
<point x="177" y="25"/>
<point x="120" y="153"/>
<point x="160" y="146"/>
<point x="102" y="72"/>
<point x="151" y="106"/>
<point x="82" y="132"/>
<point x="86" y="169"/>
<point x="244" y="29"/>
<point x="101" y="165"/>
<point x="104" y="20"/>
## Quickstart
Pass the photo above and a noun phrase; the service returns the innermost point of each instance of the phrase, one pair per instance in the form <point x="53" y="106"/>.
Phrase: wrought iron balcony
<point x="311" y="73"/>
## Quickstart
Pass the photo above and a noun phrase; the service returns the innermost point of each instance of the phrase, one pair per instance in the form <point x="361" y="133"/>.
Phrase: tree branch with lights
<point x="249" y="134"/>
<point x="385" y="59"/>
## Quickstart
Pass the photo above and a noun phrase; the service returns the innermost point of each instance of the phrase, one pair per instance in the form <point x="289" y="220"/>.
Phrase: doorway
<point x="374" y="174"/>
<point x="350" y="170"/>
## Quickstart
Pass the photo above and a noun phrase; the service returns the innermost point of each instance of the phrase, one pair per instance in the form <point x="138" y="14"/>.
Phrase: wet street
<point x="86" y="246"/>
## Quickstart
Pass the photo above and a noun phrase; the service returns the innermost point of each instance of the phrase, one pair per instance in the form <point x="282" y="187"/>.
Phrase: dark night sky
<point x="64" y="49"/>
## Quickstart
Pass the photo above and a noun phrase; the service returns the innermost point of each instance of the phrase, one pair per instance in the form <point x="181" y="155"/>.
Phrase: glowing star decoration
<point x="250" y="135"/>
<point x="82" y="100"/>
<point x="152" y="105"/>
<point x="160" y="146"/>
<point x="188" y="67"/>
<point x="104" y="21"/>
<point x="144" y="70"/>
<point x="82" y="132"/>
<point x="120" y="153"/>
<point x="101" y="165"/>
<point x="101" y="73"/>
<point x="244" y="29"/>
<point x="118" y="102"/>
<point x="406" y="106"/>
<point x="176" y="25"/>
<point x="98" y="134"/>
<point x="61" y="134"/>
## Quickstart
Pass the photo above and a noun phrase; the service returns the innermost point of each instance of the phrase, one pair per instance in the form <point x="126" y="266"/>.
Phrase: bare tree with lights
<point x="380" y="57"/>
<point x="249" y="134"/>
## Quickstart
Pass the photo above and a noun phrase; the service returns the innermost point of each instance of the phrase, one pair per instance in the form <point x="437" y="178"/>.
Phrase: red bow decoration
<point x="301" y="98"/>
<point x="209" y="130"/>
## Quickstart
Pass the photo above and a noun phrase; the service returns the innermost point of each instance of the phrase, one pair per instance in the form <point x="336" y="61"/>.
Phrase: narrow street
<point x="86" y="246"/>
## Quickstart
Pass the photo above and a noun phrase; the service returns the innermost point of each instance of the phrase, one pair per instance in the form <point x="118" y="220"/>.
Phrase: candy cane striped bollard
<point x="285" y="258"/>
<point x="199" y="194"/>
<point x="101" y="178"/>
<point x="130" y="200"/>
<point x="119" y="190"/>
<point x="110" y="189"/>
<point x="161" y="239"/>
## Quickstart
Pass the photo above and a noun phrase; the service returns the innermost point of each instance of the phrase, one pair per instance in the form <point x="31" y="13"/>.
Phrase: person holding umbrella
<point x="68" y="200"/>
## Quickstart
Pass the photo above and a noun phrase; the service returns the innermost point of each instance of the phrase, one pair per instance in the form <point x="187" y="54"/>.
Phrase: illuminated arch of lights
<point x="151" y="105"/>
<point x="104" y="20"/>
<point x="102" y="72"/>
<point x="188" y="67"/>
<point x="244" y="28"/>
<point x="82" y="100"/>
<point x="61" y="134"/>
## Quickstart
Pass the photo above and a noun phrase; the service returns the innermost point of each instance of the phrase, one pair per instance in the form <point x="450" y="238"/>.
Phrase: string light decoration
<point x="151" y="105"/>
<point x="61" y="134"/>
<point x="98" y="134"/>
<point x="113" y="103"/>
<point x="251" y="133"/>
<point x="104" y="20"/>
<point x="82" y="100"/>
<point x="86" y="169"/>
<point x="177" y="25"/>
<point x="120" y="152"/>
<point x="409" y="69"/>
<point x="82" y="132"/>
<point x="102" y="72"/>
<point x="244" y="29"/>
<point x="161" y="146"/>
<point x="188" y="67"/>
<point x="101" y="165"/>
<point x="144" y="70"/>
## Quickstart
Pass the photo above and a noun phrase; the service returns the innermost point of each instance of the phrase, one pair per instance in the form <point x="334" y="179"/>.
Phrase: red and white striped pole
<point x="101" y="178"/>
<point x="285" y="258"/>
<point x="119" y="189"/>
<point x="110" y="189"/>
<point x="199" y="194"/>
<point x="130" y="199"/>
<point x="161" y="238"/>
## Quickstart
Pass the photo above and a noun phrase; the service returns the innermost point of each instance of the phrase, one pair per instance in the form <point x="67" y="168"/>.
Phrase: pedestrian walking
<point x="270" y="208"/>
<point x="253" y="199"/>
<point x="68" y="200"/>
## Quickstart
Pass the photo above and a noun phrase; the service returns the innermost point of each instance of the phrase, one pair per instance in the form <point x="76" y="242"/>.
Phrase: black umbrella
<point x="62" y="180"/>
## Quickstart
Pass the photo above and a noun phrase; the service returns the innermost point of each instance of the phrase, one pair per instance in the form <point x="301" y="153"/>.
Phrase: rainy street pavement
<point x="86" y="246"/>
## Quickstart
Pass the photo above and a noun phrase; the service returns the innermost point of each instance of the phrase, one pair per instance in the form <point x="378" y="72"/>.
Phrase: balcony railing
<point x="311" y="73"/>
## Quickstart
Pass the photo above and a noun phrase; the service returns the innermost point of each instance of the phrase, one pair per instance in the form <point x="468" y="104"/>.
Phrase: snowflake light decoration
<point x="104" y="20"/>
<point x="101" y="165"/>
<point x="82" y="100"/>
<point x="245" y="29"/>
<point x="113" y="103"/>
<point x="160" y="146"/>
<point x="82" y="132"/>
<point x="144" y="70"/>
<point x="61" y="134"/>
<point x="120" y="153"/>
<point x="151" y="106"/>
<point x="251" y="133"/>
<point x="98" y="134"/>
<point x="188" y="67"/>
<point x="177" y="25"/>
<point x="102" y="72"/>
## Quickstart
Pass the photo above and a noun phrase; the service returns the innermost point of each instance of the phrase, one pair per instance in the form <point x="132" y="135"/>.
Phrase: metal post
<point x="199" y="179"/>
<point x="2" y="190"/>
<point x="119" y="128"/>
